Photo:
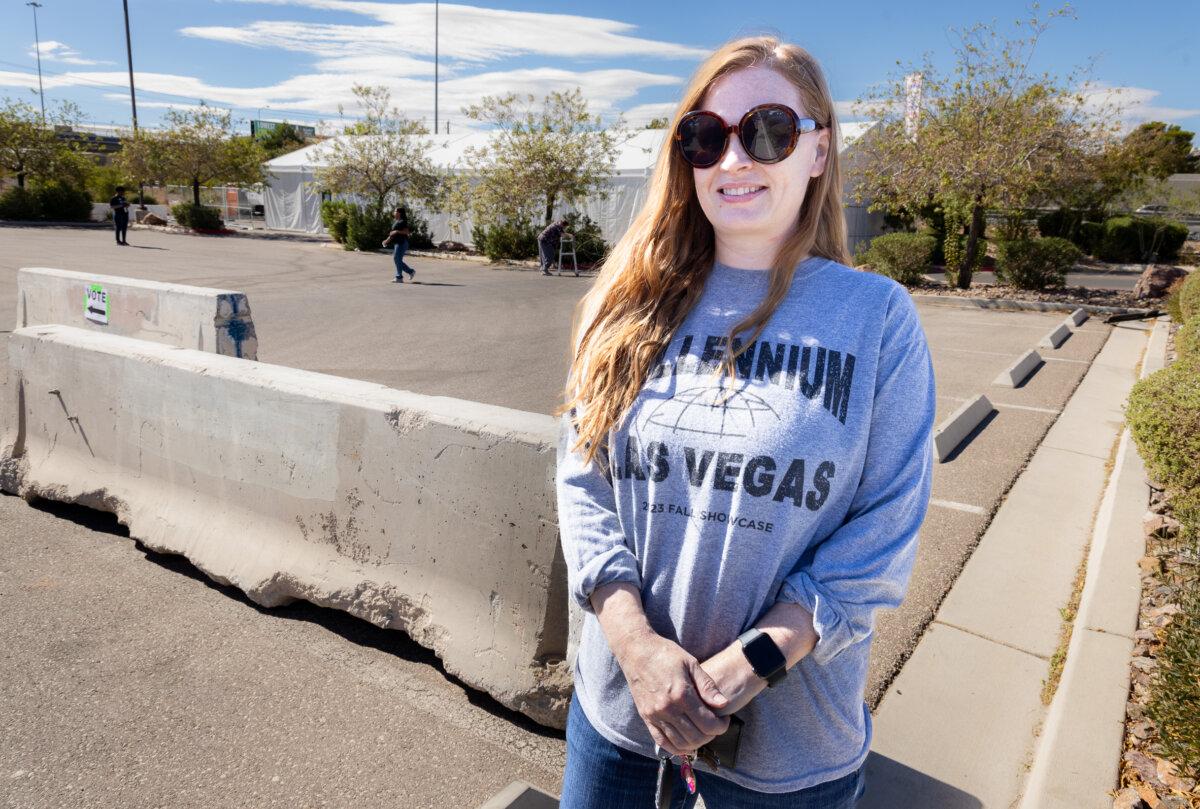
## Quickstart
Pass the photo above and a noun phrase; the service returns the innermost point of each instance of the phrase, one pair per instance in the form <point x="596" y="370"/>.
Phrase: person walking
<point x="743" y="466"/>
<point x="397" y="239"/>
<point x="548" y="243"/>
<point x="120" y="214"/>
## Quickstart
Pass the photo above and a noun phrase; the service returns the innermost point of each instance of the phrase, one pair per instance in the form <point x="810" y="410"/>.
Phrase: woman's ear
<point x="818" y="166"/>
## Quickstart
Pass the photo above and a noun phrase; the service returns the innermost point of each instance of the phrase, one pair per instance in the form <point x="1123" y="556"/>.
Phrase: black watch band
<point x="764" y="656"/>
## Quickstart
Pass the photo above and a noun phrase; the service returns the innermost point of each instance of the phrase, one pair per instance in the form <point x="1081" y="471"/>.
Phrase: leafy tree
<point x="540" y="155"/>
<point x="990" y="136"/>
<point x="282" y="139"/>
<point x="1163" y="149"/>
<point x="30" y="148"/>
<point x="658" y="123"/>
<point x="386" y="158"/>
<point x="197" y="147"/>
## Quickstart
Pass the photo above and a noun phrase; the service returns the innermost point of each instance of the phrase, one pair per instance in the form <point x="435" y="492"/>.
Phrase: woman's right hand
<point x="674" y="696"/>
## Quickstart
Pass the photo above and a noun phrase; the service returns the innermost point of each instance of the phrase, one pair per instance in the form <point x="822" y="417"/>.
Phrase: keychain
<point x="666" y="778"/>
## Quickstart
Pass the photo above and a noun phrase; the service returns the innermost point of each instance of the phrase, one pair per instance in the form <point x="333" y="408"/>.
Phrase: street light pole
<point x="129" y="54"/>
<point x="133" y="98"/>
<point x="37" y="44"/>
<point x="435" y="67"/>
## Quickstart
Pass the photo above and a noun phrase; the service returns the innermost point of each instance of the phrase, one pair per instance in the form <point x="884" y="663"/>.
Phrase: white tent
<point x="293" y="202"/>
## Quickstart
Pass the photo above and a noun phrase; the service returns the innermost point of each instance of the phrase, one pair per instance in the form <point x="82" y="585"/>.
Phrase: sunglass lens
<point x="767" y="135"/>
<point x="702" y="140"/>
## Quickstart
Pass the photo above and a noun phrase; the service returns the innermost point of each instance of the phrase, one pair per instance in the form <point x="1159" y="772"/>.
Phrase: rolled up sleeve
<point x="593" y="541"/>
<point x="865" y="564"/>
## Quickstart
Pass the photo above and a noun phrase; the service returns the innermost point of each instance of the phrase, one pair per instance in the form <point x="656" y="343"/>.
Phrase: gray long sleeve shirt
<point x="808" y="486"/>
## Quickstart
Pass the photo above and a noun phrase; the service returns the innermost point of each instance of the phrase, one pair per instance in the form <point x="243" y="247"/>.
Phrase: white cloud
<point x="1135" y="104"/>
<point x="466" y="33"/>
<point x="55" y="51"/>
<point x="322" y="93"/>
<point x="643" y="114"/>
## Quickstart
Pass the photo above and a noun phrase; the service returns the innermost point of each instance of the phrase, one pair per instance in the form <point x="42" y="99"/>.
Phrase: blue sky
<point x="299" y="58"/>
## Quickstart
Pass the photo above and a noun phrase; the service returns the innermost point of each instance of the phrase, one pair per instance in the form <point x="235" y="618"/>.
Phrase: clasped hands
<point x="685" y="703"/>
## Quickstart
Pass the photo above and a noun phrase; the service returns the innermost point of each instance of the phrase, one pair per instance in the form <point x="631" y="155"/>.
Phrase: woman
<point x="745" y="461"/>
<point x="397" y="239"/>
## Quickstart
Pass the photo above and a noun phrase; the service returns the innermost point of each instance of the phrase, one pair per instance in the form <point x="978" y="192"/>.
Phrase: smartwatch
<point x="764" y="656"/>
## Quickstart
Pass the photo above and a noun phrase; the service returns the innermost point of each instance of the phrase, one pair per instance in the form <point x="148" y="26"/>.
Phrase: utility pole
<point x="133" y="99"/>
<point x="129" y="53"/>
<point x="37" y="44"/>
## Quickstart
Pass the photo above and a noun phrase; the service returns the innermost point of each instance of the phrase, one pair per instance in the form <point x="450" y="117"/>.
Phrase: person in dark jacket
<point x="120" y="214"/>
<point x="398" y="240"/>
<point x="548" y="242"/>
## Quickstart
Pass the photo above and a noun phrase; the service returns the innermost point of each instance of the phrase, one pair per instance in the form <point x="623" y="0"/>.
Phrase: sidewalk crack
<point x="993" y="640"/>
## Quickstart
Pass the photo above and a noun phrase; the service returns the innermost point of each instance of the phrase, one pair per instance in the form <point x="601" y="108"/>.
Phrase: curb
<point x="520" y="795"/>
<point x="13" y="223"/>
<point x="1024" y="306"/>
<point x="1078" y="754"/>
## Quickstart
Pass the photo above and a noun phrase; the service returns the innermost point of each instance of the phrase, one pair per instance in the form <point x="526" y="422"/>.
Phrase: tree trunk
<point x="21" y="180"/>
<point x="550" y="208"/>
<point x="977" y="224"/>
<point x="195" y="191"/>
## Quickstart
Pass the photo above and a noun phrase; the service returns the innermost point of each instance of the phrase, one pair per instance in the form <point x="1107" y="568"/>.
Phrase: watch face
<point x="765" y="657"/>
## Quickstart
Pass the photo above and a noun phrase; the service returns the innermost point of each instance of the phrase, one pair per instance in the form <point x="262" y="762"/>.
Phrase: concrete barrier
<point x="1079" y="316"/>
<point x="1016" y="373"/>
<point x="958" y="425"/>
<point x="427" y="514"/>
<point x="216" y="320"/>
<point x="1057" y="337"/>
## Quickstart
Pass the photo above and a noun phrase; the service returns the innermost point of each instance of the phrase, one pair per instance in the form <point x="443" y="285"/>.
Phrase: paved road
<point x="195" y="682"/>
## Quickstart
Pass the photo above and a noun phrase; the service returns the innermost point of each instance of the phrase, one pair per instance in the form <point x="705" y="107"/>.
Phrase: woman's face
<point x="776" y="190"/>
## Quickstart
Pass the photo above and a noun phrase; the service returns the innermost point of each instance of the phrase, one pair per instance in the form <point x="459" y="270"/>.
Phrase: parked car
<point x="1153" y="209"/>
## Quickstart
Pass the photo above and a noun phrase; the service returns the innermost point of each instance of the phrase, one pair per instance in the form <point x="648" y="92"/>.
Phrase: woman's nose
<point x="735" y="156"/>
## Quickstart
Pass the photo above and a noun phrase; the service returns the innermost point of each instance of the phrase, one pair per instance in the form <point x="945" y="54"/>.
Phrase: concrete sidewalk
<point x="959" y="725"/>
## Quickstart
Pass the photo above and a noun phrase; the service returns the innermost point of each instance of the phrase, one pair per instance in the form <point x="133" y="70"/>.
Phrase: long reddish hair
<point x="656" y="272"/>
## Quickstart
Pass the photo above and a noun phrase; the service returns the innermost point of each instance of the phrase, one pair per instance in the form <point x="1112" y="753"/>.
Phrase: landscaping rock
<point x="151" y="219"/>
<point x="1128" y="798"/>
<point x="1155" y="281"/>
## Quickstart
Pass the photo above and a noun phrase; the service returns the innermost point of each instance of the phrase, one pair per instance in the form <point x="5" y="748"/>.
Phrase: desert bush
<point x="197" y="217"/>
<point x="419" y="237"/>
<point x="1187" y="342"/>
<point x="61" y="203"/>
<point x="335" y="213"/>
<point x="366" y="228"/>
<point x="1036" y="263"/>
<point x="506" y="240"/>
<point x="1189" y="296"/>
<point x="903" y="257"/>
<point x="1175" y="689"/>
<point x="20" y="204"/>
<point x="590" y="247"/>
<point x="1130" y="239"/>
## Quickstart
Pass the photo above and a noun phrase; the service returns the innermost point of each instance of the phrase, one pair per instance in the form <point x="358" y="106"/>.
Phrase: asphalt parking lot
<point x="115" y="664"/>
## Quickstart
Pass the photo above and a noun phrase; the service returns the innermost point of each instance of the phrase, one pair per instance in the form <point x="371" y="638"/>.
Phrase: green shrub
<point x="1187" y="343"/>
<point x="197" y="217"/>
<point x="366" y="228"/>
<point x="903" y="257"/>
<point x="334" y="215"/>
<point x="419" y="237"/>
<point x="20" y="204"/>
<point x="1035" y="263"/>
<point x="506" y="240"/>
<point x="590" y="247"/>
<point x="1129" y="239"/>
<point x="1090" y="236"/>
<point x="61" y="203"/>
<point x="1172" y="304"/>
<point x="1175" y="689"/>
<point x="1063" y="223"/>
<point x="1189" y="296"/>
<point x="1163" y="413"/>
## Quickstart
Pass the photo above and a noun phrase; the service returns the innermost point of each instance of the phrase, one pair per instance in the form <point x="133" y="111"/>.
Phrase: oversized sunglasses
<point x="768" y="133"/>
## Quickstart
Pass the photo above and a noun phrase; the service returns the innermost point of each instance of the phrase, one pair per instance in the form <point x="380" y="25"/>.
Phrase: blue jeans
<point x="601" y="775"/>
<point x="398" y="251"/>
